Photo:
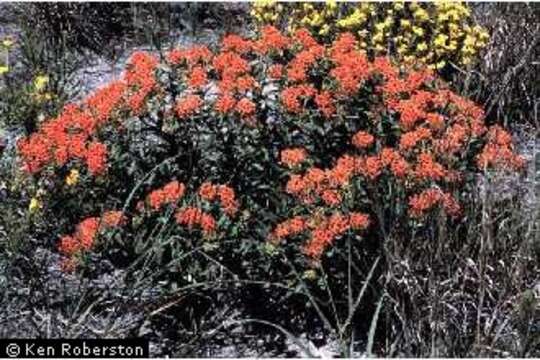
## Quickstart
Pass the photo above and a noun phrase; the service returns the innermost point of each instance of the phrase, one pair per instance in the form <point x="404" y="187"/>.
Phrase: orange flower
<point x="411" y="138"/>
<point x="86" y="232"/>
<point x="189" y="216"/>
<point x="192" y="217"/>
<point x="208" y="191"/>
<point x="226" y="195"/>
<point x="208" y="223"/>
<point x="225" y="103"/>
<point x="424" y="201"/>
<point x="105" y="100"/>
<point x="291" y="227"/>
<point x="170" y="193"/>
<point x="427" y="168"/>
<point x="140" y="77"/>
<point x="188" y="105"/>
<point x="342" y="172"/>
<point x="362" y="139"/>
<point x="331" y="197"/>
<point x="325" y="103"/>
<point x="358" y="221"/>
<point x="271" y="40"/>
<point x="303" y="36"/>
<point x="197" y="78"/>
<point x="498" y="151"/>
<point x="275" y="71"/>
<point x="113" y="218"/>
<point x="228" y="200"/>
<point x="421" y="203"/>
<point x="372" y="167"/>
<point x="291" y="96"/>
<point x="351" y="66"/>
<point x="293" y="157"/>
<point x="191" y="56"/>
<point x="96" y="157"/>
<point x="246" y="108"/>
<point x="236" y="43"/>
<point x="69" y="245"/>
<point x="325" y="234"/>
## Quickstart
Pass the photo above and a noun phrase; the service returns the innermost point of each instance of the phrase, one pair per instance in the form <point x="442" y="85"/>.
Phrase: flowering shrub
<point x="433" y="34"/>
<point x="276" y="139"/>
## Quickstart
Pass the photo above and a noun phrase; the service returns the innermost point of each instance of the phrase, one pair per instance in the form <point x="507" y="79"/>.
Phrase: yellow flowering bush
<point x="433" y="34"/>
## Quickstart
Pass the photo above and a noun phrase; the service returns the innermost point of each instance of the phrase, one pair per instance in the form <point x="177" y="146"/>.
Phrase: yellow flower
<point x="73" y="177"/>
<point x="484" y="36"/>
<point x="40" y="82"/>
<point x="35" y="204"/>
<point x="379" y="48"/>
<point x="440" y="64"/>
<point x="7" y="43"/>
<point x="398" y="5"/>
<point x="440" y="40"/>
<point x="310" y="274"/>
<point x="324" y="29"/>
<point x="405" y="23"/>
<point x="402" y="49"/>
<point x="380" y="26"/>
<point x="452" y="46"/>
<point x="3" y="70"/>
<point x="418" y="31"/>
<point x="331" y="4"/>
<point x="388" y="22"/>
<point x="421" y="46"/>
<point x="378" y="38"/>
<point x="421" y="15"/>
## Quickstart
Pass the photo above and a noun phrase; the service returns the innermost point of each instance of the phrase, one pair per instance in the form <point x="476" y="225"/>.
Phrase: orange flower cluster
<point x="421" y="203"/>
<point x="223" y="193"/>
<point x="236" y="44"/>
<point x="198" y="78"/>
<point x="71" y="135"/>
<point x="62" y="139"/>
<point x="351" y="65"/>
<point x="323" y="230"/>
<point x="188" y="106"/>
<point x="102" y="103"/>
<point x="272" y="40"/>
<point x="87" y="231"/>
<point x="140" y="78"/>
<point x="297" y="70"/>
<point x="288" y="228"/>
<point x="192" y="217"/>
<point x="324" y="184"/>
<point x="234" y="77"/>
<point x="428" y="169"/>
<point x="190" y="57"/>
<point x="498" y="151"/>
<point x="293" y="157"/>
<point x="410" y="139"/>
<point x="96" y="156"/>
<point x="291" y="97"/>
<point x="434" y="126"/>
<point x="392" y="159"/>
<point x="362" y="140"/>
<point x="275" y="71"/>
<point x="325" y="103"/>
<point x="246" y="108"/>
<point x="170" y="193"/>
